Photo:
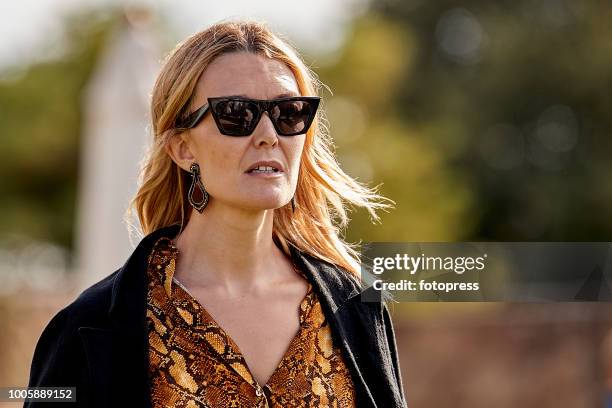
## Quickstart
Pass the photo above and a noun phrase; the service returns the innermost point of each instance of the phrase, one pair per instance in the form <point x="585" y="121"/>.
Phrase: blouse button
<point x="258" y="391"/>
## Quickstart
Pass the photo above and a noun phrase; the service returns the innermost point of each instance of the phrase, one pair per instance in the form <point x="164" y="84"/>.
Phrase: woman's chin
<point x="263" y="204"/>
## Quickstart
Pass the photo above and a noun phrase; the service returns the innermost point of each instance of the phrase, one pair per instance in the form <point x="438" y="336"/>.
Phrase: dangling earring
<point x="198" y="197"/>
<point x="293" y="205"/>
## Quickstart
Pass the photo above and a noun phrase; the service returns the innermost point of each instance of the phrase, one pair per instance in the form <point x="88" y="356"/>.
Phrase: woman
<point x="239" y="197"/>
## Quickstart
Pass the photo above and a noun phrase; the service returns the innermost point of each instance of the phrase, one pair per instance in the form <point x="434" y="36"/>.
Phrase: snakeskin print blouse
<point x="194" y="363"/>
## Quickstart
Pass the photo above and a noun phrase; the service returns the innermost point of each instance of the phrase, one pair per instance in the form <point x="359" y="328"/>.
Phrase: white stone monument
<point x="116" y="135"/>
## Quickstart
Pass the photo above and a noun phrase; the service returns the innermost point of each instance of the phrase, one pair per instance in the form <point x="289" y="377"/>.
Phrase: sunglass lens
<point x="292" y="117"/>
<point x="236" y="117"/>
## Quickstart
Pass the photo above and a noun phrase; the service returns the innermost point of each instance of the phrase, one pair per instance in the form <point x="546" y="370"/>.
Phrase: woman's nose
<point x="264" y="132"/>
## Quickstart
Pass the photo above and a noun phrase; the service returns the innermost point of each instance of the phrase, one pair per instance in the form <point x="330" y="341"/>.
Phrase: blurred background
<point x="484" y="121"/>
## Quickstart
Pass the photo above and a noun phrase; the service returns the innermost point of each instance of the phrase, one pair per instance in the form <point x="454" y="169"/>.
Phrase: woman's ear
<point x="180" y="151"/>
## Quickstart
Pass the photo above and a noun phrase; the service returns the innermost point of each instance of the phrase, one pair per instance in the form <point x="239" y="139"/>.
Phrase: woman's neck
<point x="228" y="248"/>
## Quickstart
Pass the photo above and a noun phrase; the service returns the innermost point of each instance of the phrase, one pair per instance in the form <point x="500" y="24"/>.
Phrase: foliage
<point x="40" y="123"/>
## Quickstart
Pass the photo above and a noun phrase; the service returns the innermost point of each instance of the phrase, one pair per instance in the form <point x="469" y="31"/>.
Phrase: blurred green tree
<point x="40" y="123"/>
<point x="484" y="120"/>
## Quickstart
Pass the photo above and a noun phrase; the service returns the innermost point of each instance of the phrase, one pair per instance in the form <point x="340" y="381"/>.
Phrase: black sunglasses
<point x="236" y="116"/>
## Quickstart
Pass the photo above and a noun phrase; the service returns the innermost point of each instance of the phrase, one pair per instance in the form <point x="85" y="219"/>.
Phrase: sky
<point x="29" y="27"/>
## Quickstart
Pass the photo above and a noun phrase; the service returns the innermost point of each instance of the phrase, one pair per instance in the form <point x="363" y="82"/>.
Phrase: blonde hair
<point x="323" y="189"/>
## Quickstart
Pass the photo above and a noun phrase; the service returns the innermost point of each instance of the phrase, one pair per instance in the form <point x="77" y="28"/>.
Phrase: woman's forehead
<point x="248" y="74"/>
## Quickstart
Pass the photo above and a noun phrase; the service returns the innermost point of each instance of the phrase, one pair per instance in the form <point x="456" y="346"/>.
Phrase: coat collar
<point x="130" y="286"/>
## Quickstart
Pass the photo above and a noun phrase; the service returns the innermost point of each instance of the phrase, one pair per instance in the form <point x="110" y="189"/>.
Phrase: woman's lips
<point x="265" y="174"/>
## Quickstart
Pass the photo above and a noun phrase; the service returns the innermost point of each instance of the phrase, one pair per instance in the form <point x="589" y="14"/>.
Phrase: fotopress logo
<point x="412" y="264"/>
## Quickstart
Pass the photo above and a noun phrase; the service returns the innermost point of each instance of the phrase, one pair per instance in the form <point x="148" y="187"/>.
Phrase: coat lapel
<point x="118" y="356"/>
<point x="351" y="320"/>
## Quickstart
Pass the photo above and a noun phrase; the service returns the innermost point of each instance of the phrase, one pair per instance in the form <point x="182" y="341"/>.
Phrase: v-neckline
<point x="172" y="285"/>
<point x="304" y="308"/>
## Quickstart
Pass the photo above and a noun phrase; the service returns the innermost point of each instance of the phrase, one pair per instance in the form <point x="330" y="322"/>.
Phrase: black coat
<point x="99" y="343"/>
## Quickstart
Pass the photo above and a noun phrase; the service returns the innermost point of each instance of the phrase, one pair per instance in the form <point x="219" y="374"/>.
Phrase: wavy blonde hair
<point x="323" y="189"/>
